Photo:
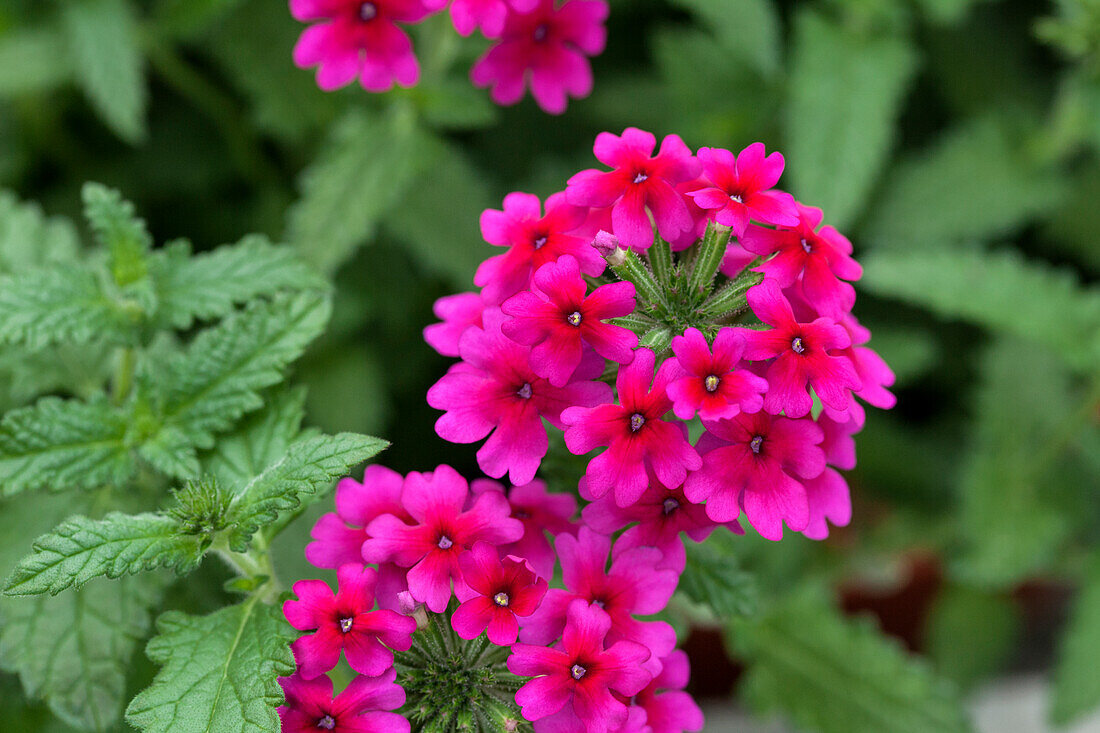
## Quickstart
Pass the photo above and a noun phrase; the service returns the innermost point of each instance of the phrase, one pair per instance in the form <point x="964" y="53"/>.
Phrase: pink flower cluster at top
<point x="537" y="43"/>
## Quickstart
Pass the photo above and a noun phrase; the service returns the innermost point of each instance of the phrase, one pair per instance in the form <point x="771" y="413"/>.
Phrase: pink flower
<point x="634" y="585"/>
<point x="548" y="46"/>
<point x="711" y="384"/>
<point x="751" y="461"/>
<point x="358" y="39"/>
<point x="828" y="499"/>
<point x="533" y="240"/>
<point x="503" y="590"/>
<point x="345" y="621"/>
<point x="540" y="512"/>
<point x="669" y="709"/>
<point x="458" y="312"/>
<point x="874" y="374"/>
<point x="638" y="181"/>
<point x="489" y="15"/>
<point x="581" y="673"/>
<point x="310" y="706"/>
<point x="557" y="319"/>
<point x="662" y="514"/>
<point x="493" y="390"/>
<point x="357" y="504"/>
<point x="822" y="259"/>
<point x="742" y="190"/>
<point x="803" y="355"/>
<point x="699" y="216"/>
<point x="634" y="432"/>
<point x="431" y="547"/>
<point x="839" y="445"/>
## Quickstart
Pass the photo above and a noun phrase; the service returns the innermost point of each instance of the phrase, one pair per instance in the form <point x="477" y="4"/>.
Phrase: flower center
<point x="757" y="443"/>
<point x="521" y="514"/>
<point x="736" y="198"/>
<point x="524" y="392"/>
<point x="502" y="599"/>
<point x="445" y="542"/>
<point x="577" y="671"/>
<point x="368" y="12"/>
<point x="711" y="382"/>
<point x="806" y="247"/>
<point x="346" y="624"/>
<point x="640" y="177"/>
<point x="326" y="723"/>
<point x="541" y="32"/>
<point x="539" y="241"/>
<point x="670" y="505"/>
<point x="637" y="420"/>
<point x="797" y="345"/>
<point x="574" y="318"/>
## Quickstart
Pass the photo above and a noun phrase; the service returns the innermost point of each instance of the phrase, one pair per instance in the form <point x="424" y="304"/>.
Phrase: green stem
<point x="632" y="269"/>
<point x="660" y="259"/>
<point x="731" y="298"/>
<point x="708" y="259"/>
<point x="254" y="564"/>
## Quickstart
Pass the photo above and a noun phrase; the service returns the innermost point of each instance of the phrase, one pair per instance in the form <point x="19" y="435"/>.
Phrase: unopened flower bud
<point x="409" y="606"/>
<point x="607" y="244"/>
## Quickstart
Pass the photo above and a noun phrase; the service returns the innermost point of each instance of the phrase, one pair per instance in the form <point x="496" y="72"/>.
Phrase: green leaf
<point x="310" y="465"/>
<point x="118" y="230"/>
<point x="363" y="170"/>
<point x="206" y="389"/>
<point x="62" y="444"/>
<point x="833" y="675"/>
<point x="714" y="578"/>
<point x="28" y="239"/>
<point x="260" y="442"/>
<point x="972" y="184"/>
<point x="998" y="290"/>
<point x="75" y="649"/>
<point x="452" y="103"/>
<point x="749" y="29"/>
<point x="32" y="60"/>
<point x="971" y="634"/>
<point x="846" y="93"/>
<point x="80" y="549"/>
<point x="102" y="36"/>
<point x="220" y="672"/>
<point x="209" y="285"/>
<point x="1076" y="684"/>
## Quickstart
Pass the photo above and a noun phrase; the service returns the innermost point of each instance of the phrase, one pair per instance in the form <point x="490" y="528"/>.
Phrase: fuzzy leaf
<point x="260" y="442"/>
<point x="1076" y="684"/>
<point x="118" y="230"/>
<point x="207" y="388"/>
<point x="832" y="675"/>
<point x="81" y="549"/>
<point x="28" y="239"/>
<point x="363" y="170"/>
<point x="846" y="93"/>
<point x="32" y="60"/>
<point x="713" y="578"/>
<point x="219" y="673"/>
<point x="998" y="290"/>
<point x="102" y="36"/>
<point x="747" y="28"/>
<point x="309" y="465"/>
<point x="971" y="634"/>
<point x="210" y="284"/>
<point x="62" y="444"/>
<point x="75" y="649"/>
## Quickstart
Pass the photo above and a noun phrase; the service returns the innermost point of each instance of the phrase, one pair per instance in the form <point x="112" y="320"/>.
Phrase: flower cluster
<point x="686" y="327"/>
<point x="541" y="43"/>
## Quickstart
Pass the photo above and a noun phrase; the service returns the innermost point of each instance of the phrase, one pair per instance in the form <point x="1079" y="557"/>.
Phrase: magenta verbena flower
<point x="547" y="47"/>
<point x="873" y="373"/>
<point x="500" y="590"/>
<point x="709" y="384"/>
<point x="458" y="312"/>
<point x="668" y="708"/>
<point x="488" y="15"/>
<point x="358" y="39"/>
<point x="557" y="317"/>
<point x="581" y="673"/>
<point x="640" y="184"/>
<point x="541" y="512"/>
<point x="829" y="502"/>
<point x="443" y="530"/>
<point x="741" y="188"/>
<point x="635" y="433"/>
<point x="360" y="708"/>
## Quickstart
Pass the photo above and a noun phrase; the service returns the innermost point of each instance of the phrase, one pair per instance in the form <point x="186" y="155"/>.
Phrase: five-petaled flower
<point x="499" y="590"/>
<point x="360" y="708"/>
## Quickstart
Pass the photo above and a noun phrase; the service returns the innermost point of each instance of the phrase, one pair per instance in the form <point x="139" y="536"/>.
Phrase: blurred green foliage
<point x="956" y="142"/>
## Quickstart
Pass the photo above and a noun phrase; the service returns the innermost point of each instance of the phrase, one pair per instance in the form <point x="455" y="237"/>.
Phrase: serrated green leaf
<point x="1076" y="684"/>
<point x="846" y="93"/>
<point x="714" y="578"/>
<point x="749" y="29"/>
<point x="209" y="285"/>
<point x="101" y="36"/>
<point x="28" y="239"/>
<point x="206" y="389"/>
<point x="220" y="672"/>
<point x="80" y="549"/>
<point x="32" y="61"/>
<point x="832" y="675"/>
<point x="972" y="184"/>
<point x="260" y="442"/>
<point x="998" y="290"/>
<point x="74" y="650"/>
<point x="971" y="634"/>
<point x="61" y="444"/>
<point x="309" y="465"/>
<point x="364" y="168"/>
<point x="118" y="229"/>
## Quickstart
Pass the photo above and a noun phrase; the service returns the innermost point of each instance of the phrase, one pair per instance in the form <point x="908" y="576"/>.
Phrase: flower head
<point x="639" y="182"/>
<point x="310" y="706"/>
<point x="668" y="708"/>
<point x="742" y="188"/>
<point x="710" y="384"/>
<point x="828" y="498"/>
<point x="458" y="312"/>
<point x="488" y="15"/>
<point x="540" y="512"/>
<point x="501" y="589"/>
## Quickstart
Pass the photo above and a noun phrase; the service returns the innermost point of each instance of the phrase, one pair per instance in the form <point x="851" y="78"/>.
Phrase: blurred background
<point x="955" y="142"/>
